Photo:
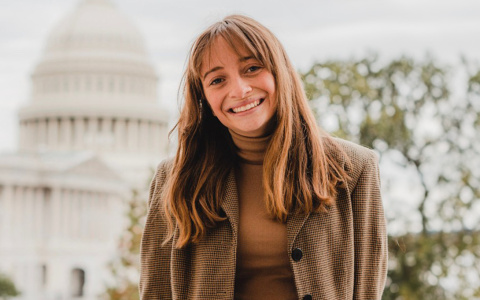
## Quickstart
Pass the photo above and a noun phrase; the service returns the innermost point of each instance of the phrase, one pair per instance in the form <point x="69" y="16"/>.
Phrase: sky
<point x="310" y="30"/>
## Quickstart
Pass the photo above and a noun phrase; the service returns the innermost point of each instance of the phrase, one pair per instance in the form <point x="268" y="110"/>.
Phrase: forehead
<point x="221" y="52"/>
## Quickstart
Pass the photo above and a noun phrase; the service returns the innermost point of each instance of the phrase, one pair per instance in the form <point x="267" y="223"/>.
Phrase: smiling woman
<point x="238" y="88"/>
<point x="259" y="203"/>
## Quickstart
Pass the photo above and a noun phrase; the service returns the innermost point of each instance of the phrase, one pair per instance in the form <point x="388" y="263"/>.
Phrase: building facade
<point x="92" y="131"/>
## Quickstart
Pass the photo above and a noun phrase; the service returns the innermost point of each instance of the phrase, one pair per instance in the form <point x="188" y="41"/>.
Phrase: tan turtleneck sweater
<point x="263" y="269"/>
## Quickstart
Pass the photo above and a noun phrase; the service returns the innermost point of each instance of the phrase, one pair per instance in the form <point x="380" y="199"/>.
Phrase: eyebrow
<point x="242" y="59"/>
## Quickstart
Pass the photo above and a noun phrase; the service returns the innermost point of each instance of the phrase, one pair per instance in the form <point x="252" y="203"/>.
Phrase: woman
<point x="259" y="203"/>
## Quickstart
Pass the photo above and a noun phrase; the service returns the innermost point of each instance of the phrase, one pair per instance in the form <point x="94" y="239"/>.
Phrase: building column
<point x="15" y="214"/>
<point x="52" y="139"/>
<point x="152" y="137"/>
<point x="18" y="228"/>
<point x="31" y="138"/>
<point x="120" y="134"/>
<point x="41" y="135"/>
<point x="81" y="215"/>
<point x="92" y="133"/>
<point x="101" y="198"/>
<point x="29" y="213"/>
<point x="7" y="214"/>
<point x="66" y="217"/>
<point x="79" y="133"/>
<point x="56" y="209"/>
<point x="132" y="136"/>
<point x="99" y="213"/>
<point x="143" y="136"/>
<point x="39" y="212"/>
<point x="107" y="135"/>
<point x="157" y="133"/>
<point x="82" y="212"/>
<point x="74" y="214"/>
<point x="66" y="133"/>
<point x="88" y="216"/>
<point x="92" y="215"/>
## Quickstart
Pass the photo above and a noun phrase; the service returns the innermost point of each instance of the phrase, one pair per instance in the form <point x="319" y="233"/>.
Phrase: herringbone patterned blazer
<point x="341" y="254"/>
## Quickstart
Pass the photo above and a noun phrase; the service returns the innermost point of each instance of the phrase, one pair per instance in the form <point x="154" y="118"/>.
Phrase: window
<point x="77" y="282"/>
<point x="43" y="276"/>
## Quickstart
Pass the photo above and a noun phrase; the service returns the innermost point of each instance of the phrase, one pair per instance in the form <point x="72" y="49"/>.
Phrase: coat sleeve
<point x="370" y="234"/>
<point x="155" y="258"/>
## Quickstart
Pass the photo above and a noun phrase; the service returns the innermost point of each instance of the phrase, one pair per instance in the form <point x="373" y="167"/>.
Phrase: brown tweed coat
<point x="341" y="254"/>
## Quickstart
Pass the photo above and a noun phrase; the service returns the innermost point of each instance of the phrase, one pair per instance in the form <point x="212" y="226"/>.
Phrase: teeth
<point x="246" y="107"/>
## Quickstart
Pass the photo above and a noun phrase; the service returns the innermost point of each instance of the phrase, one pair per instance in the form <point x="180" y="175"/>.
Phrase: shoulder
<point x="355" y="159"/>
<point x="357" y="154"/>
<point x="163" y="169"/>
<point x="159" y="179"/>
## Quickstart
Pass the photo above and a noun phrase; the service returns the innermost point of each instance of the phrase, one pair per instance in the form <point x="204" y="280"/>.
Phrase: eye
<point x="216" y="81"/>
<point x="252" y="69"/>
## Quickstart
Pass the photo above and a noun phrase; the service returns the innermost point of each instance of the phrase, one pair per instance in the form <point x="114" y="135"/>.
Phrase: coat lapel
<point x="295" y="222"/>
<point x="230" y="202"/>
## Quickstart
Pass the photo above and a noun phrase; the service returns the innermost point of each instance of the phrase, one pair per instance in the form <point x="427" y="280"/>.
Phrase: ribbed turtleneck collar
<point x="251" y="150"/>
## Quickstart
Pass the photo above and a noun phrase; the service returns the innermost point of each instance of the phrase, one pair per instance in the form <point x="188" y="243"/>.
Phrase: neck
<point x="250" y="150"/>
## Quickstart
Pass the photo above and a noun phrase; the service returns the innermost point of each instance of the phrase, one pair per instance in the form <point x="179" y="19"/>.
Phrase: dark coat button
<point x="307" y="297"/>
<point x="297" y="254"/>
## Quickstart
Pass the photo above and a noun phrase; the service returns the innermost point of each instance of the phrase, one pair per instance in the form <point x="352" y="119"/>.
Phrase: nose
<point x="240" y="87"/>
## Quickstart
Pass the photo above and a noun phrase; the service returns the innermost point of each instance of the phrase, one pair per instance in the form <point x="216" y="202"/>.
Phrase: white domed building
<point x="92" y="131"/>
<point x="95" y="89"/>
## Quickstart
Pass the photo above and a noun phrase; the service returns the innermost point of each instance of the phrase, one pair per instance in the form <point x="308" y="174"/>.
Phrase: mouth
<point x="246" y="107"/>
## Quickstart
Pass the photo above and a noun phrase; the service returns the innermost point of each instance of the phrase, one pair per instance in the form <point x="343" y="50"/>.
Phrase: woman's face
<point x="239" y="89"/>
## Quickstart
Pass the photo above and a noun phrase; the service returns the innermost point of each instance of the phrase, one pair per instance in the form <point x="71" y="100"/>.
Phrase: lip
<point x="246" y="102"/>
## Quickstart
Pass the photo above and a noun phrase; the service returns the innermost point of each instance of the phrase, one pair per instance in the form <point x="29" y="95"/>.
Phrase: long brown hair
<point x="300" y="173"/>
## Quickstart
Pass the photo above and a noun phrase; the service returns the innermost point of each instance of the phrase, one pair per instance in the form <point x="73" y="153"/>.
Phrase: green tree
<point x="125" y="268"/>
<point x="7" y="288"/>
<point x="423" y="119"/>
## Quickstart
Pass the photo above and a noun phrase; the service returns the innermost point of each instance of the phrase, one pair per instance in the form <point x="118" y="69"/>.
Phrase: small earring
<point x="200" y="105"/>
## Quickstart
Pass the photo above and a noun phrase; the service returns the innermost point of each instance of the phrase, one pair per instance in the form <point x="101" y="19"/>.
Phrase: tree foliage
<point x="7" y="288"/>
<point x="125" y="268"/>
<point x="423" y="118"/>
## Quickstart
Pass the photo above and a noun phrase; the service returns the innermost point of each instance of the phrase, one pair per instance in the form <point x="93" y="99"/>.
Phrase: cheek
<point x="214" y="104"/>
<point x="268" y="82"/>
<point x="215" y="98"/>
<point x="272" y="85"/>
<point x="273" y="95"/>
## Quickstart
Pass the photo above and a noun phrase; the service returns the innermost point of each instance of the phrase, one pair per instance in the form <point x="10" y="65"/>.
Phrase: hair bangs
<point x="238" y="36"/>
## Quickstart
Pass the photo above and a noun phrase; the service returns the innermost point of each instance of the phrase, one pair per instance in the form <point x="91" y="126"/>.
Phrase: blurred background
<point x="89" y="89"/>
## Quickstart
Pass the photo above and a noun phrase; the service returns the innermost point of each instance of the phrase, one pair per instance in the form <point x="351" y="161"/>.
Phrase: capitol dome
<point x="95" y="54"/>
<point x="95" y="29"/>
<point x="95" y="89"/>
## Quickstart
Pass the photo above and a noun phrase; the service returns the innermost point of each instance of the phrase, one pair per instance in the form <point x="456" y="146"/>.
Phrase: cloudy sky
<point x="309" y="29"/>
